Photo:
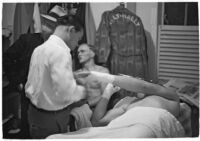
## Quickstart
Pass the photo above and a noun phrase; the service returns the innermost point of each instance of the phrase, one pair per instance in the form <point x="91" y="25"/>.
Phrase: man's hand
<point x="110" y="90"/>
<point x="20" y="87"/>
<point x="140" y="95"/>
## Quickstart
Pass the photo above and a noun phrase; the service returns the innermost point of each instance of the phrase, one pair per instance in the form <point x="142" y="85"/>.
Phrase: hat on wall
<point x="54" y="14"/>
<point x="49" y="21"/>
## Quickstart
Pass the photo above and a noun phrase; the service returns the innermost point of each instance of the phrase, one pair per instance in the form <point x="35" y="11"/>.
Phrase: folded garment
<point x="155" y="122"/>
<point x="82" y="116"/>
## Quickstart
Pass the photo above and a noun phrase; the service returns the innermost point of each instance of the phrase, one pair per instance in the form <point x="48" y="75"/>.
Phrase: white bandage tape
<point x="103" y="77"/>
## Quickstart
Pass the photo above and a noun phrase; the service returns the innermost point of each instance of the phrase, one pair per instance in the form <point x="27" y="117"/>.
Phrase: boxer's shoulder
<point x="101" y="69"/>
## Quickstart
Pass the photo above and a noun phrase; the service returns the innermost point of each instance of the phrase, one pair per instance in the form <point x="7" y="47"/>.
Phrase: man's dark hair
<point x="92" y="47"/>
<point x="71" y="20"/>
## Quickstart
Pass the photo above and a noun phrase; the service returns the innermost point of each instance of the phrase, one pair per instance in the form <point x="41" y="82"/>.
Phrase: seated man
<point x="93" y="87"/>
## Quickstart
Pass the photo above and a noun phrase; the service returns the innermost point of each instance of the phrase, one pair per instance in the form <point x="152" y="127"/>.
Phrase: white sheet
<point x="136" y="122"/>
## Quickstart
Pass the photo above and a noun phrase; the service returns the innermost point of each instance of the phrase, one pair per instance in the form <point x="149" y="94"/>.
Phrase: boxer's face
<point x="84" y="53"/>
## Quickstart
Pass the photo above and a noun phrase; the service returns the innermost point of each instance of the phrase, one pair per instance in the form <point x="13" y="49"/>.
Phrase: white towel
<point x="82" y="116"/>
<point x="160" y="121"/>
<point x="157" y="123"/>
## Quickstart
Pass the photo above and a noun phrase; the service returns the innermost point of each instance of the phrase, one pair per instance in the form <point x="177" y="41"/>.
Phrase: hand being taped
<point x="110" y="90"/>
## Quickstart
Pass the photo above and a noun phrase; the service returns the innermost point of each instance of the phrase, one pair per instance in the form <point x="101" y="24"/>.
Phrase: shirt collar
<point x="58" y="41"/>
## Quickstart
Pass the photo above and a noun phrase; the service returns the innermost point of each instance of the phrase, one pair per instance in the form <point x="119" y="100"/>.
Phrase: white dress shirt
<point x="51" y="84"/>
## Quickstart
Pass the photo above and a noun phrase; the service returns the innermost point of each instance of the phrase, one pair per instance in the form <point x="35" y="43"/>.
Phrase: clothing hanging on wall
<point x="8" y="12"/>
<point x="90" y="25"/>
<point x="17" y="58"/>
<point x="81" y="8"/>
<point x="121" y="43"/>
<point x="37" y="27"/>
<point x="22" y="18"/>
<point x="44" y="7"/>
<point x="99" y="8"/>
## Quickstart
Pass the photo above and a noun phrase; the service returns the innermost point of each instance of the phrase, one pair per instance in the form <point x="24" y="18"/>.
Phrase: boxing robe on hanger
<point x="121" y="43"/>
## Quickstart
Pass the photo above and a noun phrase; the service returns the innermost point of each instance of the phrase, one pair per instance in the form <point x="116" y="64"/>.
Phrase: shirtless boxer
<point x="93" y="87"/>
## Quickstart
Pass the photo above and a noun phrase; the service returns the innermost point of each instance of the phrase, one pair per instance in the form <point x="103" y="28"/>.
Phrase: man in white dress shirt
<point x="51" y="86"/>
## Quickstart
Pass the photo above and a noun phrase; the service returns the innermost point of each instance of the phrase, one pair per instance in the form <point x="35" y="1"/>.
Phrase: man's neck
<point x="59" y="31"/>
<point x="61" y="36"/>
<point x="89" y="65"/>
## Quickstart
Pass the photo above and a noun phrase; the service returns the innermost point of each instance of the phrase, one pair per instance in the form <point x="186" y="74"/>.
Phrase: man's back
<point x="50" y="71"/>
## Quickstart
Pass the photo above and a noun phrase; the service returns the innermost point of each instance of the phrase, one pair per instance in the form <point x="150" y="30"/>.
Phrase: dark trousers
<point x="24" y="116"/>
<point x="44" y="123"/>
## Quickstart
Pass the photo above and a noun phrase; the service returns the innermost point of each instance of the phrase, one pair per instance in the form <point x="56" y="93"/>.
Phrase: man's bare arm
<point x="135" y="85"/>
<point x="101" y="107"/>
<point x="141" y="86"/>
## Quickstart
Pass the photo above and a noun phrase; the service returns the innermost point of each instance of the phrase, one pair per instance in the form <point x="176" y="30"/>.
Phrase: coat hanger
<point x="122" y="4"/>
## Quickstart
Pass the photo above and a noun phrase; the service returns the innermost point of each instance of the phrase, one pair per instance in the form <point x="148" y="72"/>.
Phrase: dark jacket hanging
<point x="17" y="58"/>
<point x="121" y="43"/>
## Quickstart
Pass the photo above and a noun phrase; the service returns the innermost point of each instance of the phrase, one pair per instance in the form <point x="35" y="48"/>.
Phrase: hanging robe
<point x="121" y="43"/>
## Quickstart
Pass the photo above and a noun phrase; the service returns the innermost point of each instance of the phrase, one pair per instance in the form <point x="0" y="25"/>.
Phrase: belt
<point x="69" y="107"/>
<point x="50" y="112"/>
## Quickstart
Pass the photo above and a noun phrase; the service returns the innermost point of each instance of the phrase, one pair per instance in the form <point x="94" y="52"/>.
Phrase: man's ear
<point x="71" y="29"/>
<point x="92" y="54"/>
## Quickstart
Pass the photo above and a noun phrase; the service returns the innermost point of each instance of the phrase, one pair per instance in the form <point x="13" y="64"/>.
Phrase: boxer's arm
<point x="135" y="85"/>
<point x="141" y="86"/>
<point x="101" y="107"/>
